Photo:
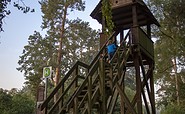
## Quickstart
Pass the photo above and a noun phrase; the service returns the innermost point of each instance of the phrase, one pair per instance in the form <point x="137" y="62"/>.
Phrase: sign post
<point x="47" y="71"/>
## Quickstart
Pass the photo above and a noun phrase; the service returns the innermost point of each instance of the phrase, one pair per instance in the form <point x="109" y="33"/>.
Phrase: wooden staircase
<point x="90" y="88"/>
<point x="96" y="88"/>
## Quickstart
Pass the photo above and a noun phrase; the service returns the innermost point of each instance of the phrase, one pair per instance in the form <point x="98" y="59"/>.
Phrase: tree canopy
<point x="170" y="51"/>
<point x="77" y="45"/>
<point x="16" y="102"/>
<point x="4" y="11"/>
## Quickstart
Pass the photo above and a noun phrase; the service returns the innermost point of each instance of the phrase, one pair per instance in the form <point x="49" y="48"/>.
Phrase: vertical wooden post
<point x="62" y="100"/>
<point x="121" y="36"/>
<point x="103" y="39"/>
<point x="89" y="95"/>
<point x="135" y="38"/>
<point x="111" y="76"/>
<point x="149" y="31"/>
<point x="152" y="89"/>
<point x="75" y="109"/>
<point x="138" y="81"/>
<point x="40" y="99"/>
<point x="119" y="77"/>
<point x="138" y="84"/>
<point x="102" y="87"/>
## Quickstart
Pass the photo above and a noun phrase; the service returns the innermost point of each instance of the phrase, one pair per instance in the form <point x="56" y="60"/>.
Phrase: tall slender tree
<point x="80" y="43"/>
<point x="55" y="18"/>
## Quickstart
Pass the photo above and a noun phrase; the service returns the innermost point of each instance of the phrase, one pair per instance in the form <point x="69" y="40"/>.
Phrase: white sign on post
<point x="47" y="71"/>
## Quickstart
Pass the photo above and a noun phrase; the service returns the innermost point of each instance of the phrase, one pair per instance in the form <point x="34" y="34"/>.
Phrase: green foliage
<point x="3" y="12"/>
<point x="15" y="102"/>
<point x="130" y="93"/>
<point x="55" y="19"/>
<point x="53" y="12"/>
<point x="5" y="102"/>
<point x="173" y="109"/>
<point x="21" y="104"/>
<point x="107" y="14"/>
<point x="169" y="51"/>
<point x="80" y="43"/>
<point x="34" y="58"/>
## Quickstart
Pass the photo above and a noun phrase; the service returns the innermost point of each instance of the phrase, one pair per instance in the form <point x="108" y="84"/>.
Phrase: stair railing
<point x="93" y="68"/>
<point x="73" y="73"/>
<point x="88" y="81"/>
<point x="118" y="65"/>
<point x="62" y="83"/>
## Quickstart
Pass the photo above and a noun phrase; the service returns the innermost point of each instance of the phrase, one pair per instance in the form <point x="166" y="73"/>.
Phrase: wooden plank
<point x="152" y="89"/>
<point x="89" y="108"/>
<point x="138" y="83"/>
<point x="145" y="101"/>
<point x="102" y="85"/>
<point x="83" y="101"/>
<point x="112" y="104"/>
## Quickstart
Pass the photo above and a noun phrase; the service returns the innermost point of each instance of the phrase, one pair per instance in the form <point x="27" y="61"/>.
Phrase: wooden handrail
<point x="91" y="72"/>
<point x="78" y="63"/>
<point x="92" y="68"/>
<point x="60" y="98"/>
<point x="121" y="44"/>
<point x="103" y="48"/>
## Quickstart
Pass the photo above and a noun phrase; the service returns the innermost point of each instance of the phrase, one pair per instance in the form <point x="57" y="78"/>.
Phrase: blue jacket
<point x="111" y="48"/>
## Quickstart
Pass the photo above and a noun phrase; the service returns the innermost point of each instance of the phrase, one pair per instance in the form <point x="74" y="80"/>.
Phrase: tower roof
<point x="122" y="13"/>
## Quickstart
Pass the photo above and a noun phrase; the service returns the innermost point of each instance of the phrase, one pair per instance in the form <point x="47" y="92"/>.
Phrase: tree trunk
<point x="59" y="55"/>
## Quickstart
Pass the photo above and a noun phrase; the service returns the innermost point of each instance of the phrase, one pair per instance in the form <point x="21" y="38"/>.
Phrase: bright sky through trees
<point x="18" y="26"/>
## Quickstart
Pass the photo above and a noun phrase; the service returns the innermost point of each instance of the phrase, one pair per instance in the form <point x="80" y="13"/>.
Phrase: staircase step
<point x="96" y="105"/>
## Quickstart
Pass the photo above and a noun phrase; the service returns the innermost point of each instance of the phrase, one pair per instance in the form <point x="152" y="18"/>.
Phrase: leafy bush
<point x="173" y="109"/>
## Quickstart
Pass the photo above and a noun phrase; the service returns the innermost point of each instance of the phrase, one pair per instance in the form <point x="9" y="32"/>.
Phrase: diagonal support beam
<point x="147" y="86"/>
<point x="143" y="84"/>
<point x="123" y="95"/>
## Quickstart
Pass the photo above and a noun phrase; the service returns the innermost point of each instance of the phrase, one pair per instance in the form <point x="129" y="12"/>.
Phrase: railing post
<point x="61" y="103"/>
<point x="40" y="99"/>
<point x="119" y="77"/>
<point x="75" y="109"/>
<point x="89" y="108"/>
<point x="152" y="93"/>
<point x="102" y="87"/>
<point x="121" y="36"/>
<point x="138" y="80"/>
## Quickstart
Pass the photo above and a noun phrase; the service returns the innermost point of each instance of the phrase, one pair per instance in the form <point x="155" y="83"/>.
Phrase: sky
<point x="17" y="28"/>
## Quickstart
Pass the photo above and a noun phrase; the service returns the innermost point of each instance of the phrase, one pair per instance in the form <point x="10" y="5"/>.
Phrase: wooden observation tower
<point x="100" y="88"/>
<point x="134" y="18"/>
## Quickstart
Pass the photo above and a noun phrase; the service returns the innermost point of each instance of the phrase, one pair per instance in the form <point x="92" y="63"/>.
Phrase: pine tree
<point x="55" y="19"/>
<point x="170" y="48"/>
<point x="80" y="43"/>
